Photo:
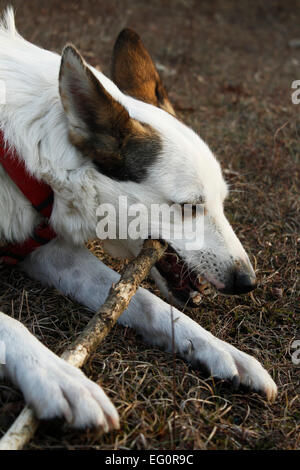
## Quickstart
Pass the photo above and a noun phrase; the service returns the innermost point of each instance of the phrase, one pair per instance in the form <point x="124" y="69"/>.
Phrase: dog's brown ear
<point x="134" y="72"/>
<point x="98" y="124"/>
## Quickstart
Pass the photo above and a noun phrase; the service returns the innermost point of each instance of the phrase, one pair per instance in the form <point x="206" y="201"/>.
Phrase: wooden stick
<point x="120" y="294"/>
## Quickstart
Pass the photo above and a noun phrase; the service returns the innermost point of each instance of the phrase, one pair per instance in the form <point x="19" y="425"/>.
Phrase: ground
<point x="228" y="67"/>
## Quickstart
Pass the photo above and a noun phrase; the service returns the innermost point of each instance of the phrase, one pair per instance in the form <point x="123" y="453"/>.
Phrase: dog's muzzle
<point x="240" y="281"/>
<point x="188" y="286"/>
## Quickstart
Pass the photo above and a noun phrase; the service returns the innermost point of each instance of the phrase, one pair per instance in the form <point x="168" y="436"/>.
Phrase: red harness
<point x="41" y="197"/>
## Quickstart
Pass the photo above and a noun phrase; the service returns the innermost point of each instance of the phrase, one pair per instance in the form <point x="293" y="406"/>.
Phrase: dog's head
<point x="129" y="130"/>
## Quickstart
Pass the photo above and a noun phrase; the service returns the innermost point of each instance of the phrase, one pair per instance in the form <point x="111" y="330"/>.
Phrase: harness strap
<point x="14" y="253"/>
<point x="41" y="197"/>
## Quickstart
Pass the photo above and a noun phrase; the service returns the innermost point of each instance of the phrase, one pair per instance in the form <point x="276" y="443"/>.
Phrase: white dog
<point x="92" y="140"/>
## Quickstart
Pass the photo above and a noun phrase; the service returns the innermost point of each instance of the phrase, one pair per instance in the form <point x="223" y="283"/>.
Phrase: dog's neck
<point x="34" y="123"/>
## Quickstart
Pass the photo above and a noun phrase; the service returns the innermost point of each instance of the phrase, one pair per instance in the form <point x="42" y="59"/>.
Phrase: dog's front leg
<point x="50" y="385"/>
<point x="195" y="344"/>
<point x="77" y="273"/>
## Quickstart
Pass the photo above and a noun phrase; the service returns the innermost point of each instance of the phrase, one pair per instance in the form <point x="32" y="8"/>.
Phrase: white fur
<point x="77" y="273"/>
<point x="52" y="386"/>
<point x="33" y="121"/>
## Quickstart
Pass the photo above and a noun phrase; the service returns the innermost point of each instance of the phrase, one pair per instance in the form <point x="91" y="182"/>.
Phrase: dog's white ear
<point x="134" y="72"/>
<point x="97" y="122"/>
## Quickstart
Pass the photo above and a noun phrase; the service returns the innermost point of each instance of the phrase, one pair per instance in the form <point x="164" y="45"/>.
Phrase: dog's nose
<point x="240" y="282"/>
<point x="244" y="282"/>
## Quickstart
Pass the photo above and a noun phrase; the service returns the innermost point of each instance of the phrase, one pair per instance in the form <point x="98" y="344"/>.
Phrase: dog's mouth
<point x="185" y="285"/>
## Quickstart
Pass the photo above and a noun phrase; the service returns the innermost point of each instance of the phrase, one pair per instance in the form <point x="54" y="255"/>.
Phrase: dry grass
<point x="229" y="72"/>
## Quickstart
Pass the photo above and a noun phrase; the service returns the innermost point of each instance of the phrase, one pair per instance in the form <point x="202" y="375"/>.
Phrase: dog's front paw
<point x="224" y="361"/>
<point x="251" y="373"/>
<point x="55" y="389"/>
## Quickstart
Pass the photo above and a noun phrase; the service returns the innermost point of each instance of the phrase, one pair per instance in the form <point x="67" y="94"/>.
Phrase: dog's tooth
<point x="205" y="289"/>
<point x="201" y="280"/>
<point x="196" y="297"/>
<point x="203" y="285"/>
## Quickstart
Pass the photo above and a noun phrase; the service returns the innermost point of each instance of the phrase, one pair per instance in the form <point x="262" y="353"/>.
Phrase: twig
<point x="120" y="294"/>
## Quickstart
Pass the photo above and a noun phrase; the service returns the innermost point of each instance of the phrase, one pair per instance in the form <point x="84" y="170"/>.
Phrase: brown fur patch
<point x="120" y="146"/>
<point x="123" y="158"/>
<point x="134" y="72"/>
